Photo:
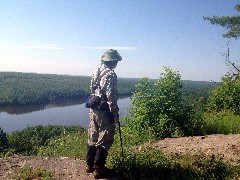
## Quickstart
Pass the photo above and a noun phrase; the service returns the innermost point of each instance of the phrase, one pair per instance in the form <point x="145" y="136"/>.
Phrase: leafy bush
<point x="226" y="95"/>
<point x="28" y="140"/>
<point x="4" y="144"/>
<point x="222" y="122"/>
<point x="157" y="109"/>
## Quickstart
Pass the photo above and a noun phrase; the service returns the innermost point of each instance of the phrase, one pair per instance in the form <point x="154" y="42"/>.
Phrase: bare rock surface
<point x="60" y="167"/>
<point x="224" y="146"/>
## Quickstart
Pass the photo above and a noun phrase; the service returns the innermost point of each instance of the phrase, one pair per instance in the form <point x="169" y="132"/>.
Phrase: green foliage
<point x="28" y="173"/>
<point x="4" y="144"/>
<point x="154" y="104"/>
<point x="230" y="22"/>
<point x="71" y="145"/>
<point x="222" y="122"/>
<point x="150" y="163"/>
<point x="27" y="141"/>
<point x="157" y="109"/>
<point x="226" y="95"/>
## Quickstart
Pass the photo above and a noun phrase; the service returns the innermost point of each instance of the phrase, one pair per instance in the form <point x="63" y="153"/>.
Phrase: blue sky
<point x="70" y="36"/>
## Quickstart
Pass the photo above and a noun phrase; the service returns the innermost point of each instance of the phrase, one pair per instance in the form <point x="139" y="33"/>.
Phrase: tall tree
<point x="227" y="94"/>
<point x="233" y="24"/>
<point x="230" y="22"/>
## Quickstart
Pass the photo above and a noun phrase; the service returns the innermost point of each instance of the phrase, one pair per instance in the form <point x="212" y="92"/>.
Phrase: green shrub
<point x="27" y="141"/>
<point x="157" y="109"/>
<point x="4" y="144"/>
<point x="222" y="122"/>
<point x="226" y="95"/>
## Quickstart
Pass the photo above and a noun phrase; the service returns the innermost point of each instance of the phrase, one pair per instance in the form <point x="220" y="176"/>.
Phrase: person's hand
<point x="115" y="121"/>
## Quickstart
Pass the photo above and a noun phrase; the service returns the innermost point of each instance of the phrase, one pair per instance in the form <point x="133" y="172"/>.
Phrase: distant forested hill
<point x="30" y="88"/>
<point x="193" y="90"/>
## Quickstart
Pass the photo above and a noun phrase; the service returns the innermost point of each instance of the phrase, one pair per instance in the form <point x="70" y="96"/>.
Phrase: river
<point x="66" y="113"/>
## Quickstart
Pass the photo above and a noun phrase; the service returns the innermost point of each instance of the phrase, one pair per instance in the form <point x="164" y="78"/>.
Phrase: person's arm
<point x="112" y="94"/>
<point x="93" y="85"/>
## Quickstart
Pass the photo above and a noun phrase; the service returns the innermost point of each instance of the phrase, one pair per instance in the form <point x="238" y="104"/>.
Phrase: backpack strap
<point x="103" y="74"/>
<point x="100" y="75"/>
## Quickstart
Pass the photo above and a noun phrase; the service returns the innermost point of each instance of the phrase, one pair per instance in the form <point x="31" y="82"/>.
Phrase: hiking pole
<point x="120" y="134"/>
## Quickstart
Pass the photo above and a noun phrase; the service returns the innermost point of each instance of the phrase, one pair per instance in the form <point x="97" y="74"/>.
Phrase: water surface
<point x="69" y="113"/>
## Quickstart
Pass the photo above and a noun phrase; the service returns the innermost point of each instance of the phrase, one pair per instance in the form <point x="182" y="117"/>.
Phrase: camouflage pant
<point x="101" y="130"/>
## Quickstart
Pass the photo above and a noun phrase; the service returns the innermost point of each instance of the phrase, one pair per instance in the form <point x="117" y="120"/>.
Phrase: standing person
<point x="103" y="120"/>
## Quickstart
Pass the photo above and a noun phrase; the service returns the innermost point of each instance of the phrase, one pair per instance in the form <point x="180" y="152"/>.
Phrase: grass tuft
<point x="28" y="173"/>
<point x="223" y="122"/>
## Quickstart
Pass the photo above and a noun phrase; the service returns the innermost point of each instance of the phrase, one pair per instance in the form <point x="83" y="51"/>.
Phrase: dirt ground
<point x="64" y="168"/>
<point x="225" y="146"/>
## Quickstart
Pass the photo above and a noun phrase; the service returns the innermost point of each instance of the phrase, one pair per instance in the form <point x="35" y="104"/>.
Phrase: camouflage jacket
<point x="108" y="85"/>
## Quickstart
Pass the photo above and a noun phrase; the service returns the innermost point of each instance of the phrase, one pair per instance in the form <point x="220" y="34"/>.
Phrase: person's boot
<point x="91" y="153"/>
<point x="90" y="168"/>
<point x="101" y="171"/>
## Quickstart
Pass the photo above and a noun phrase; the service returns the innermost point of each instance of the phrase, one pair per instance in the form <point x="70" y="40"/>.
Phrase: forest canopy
<point x="31" y="88"/>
